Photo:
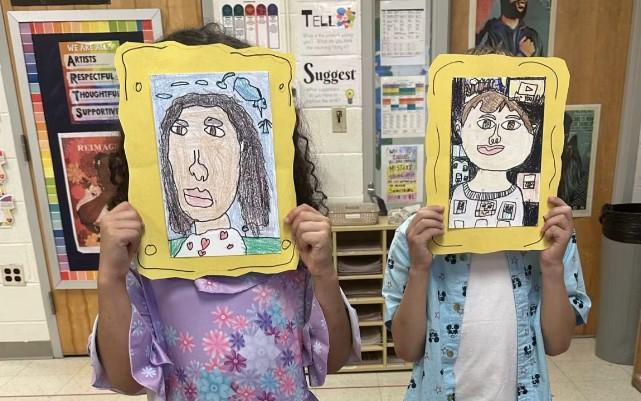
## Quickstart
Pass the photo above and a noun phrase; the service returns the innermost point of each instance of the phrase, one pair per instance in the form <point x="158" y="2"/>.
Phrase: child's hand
<point x="312" y="233"/>
<point x="427" y="223"/>
<point x="557" y="229"/>
<point x="120" y="232"/>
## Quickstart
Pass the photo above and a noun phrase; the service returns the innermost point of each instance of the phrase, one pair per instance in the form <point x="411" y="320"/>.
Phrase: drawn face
<point x="496" y="141"/>
<point x="204" y="154"/>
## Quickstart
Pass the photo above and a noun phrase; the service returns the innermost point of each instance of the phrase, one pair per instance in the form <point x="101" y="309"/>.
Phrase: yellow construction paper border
<point x="437" y="144"/>
<point x="135" y="64"/>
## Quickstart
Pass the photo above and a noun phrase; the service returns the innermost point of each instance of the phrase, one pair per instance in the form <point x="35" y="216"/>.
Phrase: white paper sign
<point x="402" y="173"/>
<point x="403" y="106"/>
<point x="326" y="28"/>
<point x="324" y="81"/>
<point x="403" y="27"/>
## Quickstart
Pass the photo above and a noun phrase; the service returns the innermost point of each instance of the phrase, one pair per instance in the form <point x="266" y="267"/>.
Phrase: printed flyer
<point x="90" y="80"/>
<point x="402" y="170"/>
<point x="88" y="182"/>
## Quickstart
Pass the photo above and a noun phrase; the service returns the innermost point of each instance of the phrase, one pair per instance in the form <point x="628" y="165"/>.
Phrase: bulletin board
<point x="69" y="96"/>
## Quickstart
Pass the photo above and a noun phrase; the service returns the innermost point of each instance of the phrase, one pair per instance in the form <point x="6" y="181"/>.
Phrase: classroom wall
<point x="22" y="311"/>
<point x="339" y="155"/>
<point x="592" y="36"/>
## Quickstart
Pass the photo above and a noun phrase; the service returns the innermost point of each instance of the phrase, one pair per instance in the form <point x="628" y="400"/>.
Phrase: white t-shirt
<point x="485" y="369"/>
<point x="469" y="209"/>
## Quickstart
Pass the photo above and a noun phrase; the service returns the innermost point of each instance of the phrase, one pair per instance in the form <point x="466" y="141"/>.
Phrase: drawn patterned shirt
<point x="221" y="242"/>
<point x="433" y="376"/>
<point x="226" y="338"/>
<point x="469" y="209"/>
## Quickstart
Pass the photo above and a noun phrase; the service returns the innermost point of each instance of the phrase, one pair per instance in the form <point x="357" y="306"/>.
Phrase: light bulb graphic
<point x="350" y="95"/>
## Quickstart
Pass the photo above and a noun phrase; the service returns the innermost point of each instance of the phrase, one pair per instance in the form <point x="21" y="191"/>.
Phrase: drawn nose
<point x="495" y="138"/>
<point x="197" y="169"/>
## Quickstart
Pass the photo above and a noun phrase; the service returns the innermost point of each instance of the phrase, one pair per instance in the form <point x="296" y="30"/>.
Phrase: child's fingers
<point x="554" y="233"/>
<point x="428" y="234"/>
<point x="560" y="221"/>
<point x="420" y="217"/>
<point x="555" y="201"/>
<point x="292" y="215"/>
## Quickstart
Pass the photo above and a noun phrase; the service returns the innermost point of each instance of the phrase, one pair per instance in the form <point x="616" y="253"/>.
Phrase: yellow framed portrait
<point x="208" y="138"/>
<point x="494" y="142"/>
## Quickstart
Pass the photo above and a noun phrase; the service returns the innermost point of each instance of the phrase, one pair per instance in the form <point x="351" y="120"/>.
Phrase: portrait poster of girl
<point x="216" y="159"/>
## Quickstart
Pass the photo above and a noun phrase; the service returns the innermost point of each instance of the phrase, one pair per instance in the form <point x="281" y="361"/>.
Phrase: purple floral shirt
<point x="226" y="338"/>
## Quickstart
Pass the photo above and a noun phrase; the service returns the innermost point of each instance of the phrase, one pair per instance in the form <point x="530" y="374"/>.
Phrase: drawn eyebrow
<point x="182" y="123"/>
<point x="513" y="116"/>
<point x="488" y="116"/>
<point x="213" y="122"/>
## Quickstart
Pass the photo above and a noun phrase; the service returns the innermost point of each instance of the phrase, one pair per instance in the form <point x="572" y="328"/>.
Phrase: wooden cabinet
<point x="360" y="258"/>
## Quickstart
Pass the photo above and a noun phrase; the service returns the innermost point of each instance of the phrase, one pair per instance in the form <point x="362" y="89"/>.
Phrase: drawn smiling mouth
<point x="197" y="198"/>
<point x="490" y="150"/>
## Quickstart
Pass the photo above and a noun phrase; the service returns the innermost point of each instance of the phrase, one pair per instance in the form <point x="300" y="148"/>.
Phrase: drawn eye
<point x="214" y="131"/>
<point x="511" y="125"/>
<point x="179" y="127"/>
<point x="486" y="123"/>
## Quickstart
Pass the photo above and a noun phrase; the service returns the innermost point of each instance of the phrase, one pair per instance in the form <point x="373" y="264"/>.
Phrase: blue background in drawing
<point x="162" y="84"/>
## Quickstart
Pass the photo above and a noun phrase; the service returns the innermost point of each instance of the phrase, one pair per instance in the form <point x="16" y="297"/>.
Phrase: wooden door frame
<point x="628" y="152"/>
<point x="9" y="85"/>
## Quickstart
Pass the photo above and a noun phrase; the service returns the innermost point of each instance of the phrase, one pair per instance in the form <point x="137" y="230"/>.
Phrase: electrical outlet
<point x="339" y="120"/>
<point x="12" y="275"/>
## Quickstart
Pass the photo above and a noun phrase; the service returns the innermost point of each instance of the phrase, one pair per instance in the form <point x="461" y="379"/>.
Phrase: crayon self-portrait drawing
<point x="494" y="145"/>
<point x="215" y="179"/>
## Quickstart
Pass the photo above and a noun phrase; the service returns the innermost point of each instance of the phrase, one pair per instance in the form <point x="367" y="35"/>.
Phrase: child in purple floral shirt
<point x="221" y="338"/>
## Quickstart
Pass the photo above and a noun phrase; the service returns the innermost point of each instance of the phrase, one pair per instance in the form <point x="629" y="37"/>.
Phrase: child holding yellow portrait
<point x="190" y="334"/>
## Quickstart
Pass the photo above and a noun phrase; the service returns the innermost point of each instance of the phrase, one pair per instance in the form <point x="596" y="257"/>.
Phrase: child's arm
<point x="120" y="232"/>
<point x="312" y="233"/>
<point x="409" y="322"/>
<point x="557" y="314"/>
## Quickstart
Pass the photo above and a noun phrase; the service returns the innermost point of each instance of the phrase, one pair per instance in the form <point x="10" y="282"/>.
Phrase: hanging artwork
<point x="494" y="146"/>
<point x="523" y="28"/>
<point x="215" y="191"/>
<point x="88" y="182"/>
<point x="579" y="158"/>
<point x="69" y="96"/>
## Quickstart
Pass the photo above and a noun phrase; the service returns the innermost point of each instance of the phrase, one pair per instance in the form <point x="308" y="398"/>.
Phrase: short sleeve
<point x="316" y="337"/>
<point x="573" y="275"/>
<point x="396" y="273"/>
<point x="146" y="352"/>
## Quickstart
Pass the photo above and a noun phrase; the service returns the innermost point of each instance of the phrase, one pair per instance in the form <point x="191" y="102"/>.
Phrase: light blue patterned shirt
<point x="433" y="376"/>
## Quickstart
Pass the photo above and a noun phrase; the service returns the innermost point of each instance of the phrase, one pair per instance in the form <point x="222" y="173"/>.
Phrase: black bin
<point x="620" y="301"/>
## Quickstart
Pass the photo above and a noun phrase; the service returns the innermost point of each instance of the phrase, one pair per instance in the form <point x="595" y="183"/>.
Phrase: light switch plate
<point x="339" y="120"/>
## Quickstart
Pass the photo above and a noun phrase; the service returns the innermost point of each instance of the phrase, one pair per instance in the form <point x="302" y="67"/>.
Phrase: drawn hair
<point x="491" y="102"/>
<point x="484" y="49"/>
<point x="306" y="182"/>
<point x="253" y="188"/>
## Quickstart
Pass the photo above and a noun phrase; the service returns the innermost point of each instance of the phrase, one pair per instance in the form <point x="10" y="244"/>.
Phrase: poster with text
<point x="329" y="81"/>
<point x="403" y="32"/>
<point x="403" y="106"/>
<point x="327" y="28"/>
<point x="90" y="80"/>
<point x="88" y="182"/>
<point x="402" y="168"/>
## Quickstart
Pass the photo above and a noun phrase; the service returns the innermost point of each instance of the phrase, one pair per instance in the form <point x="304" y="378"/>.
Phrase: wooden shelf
<point x="361" y="277"/>
<point x="365" y="300"/>
<point x="382" y="225"/>
<point x="360" y="252"/>
<point x="371" y="323"/>
<point x="360" y="242"/>
<point x="371" y="348"/>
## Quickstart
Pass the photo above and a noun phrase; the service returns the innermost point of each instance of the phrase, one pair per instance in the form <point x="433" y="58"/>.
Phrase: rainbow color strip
<point x="27" y="29"/>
